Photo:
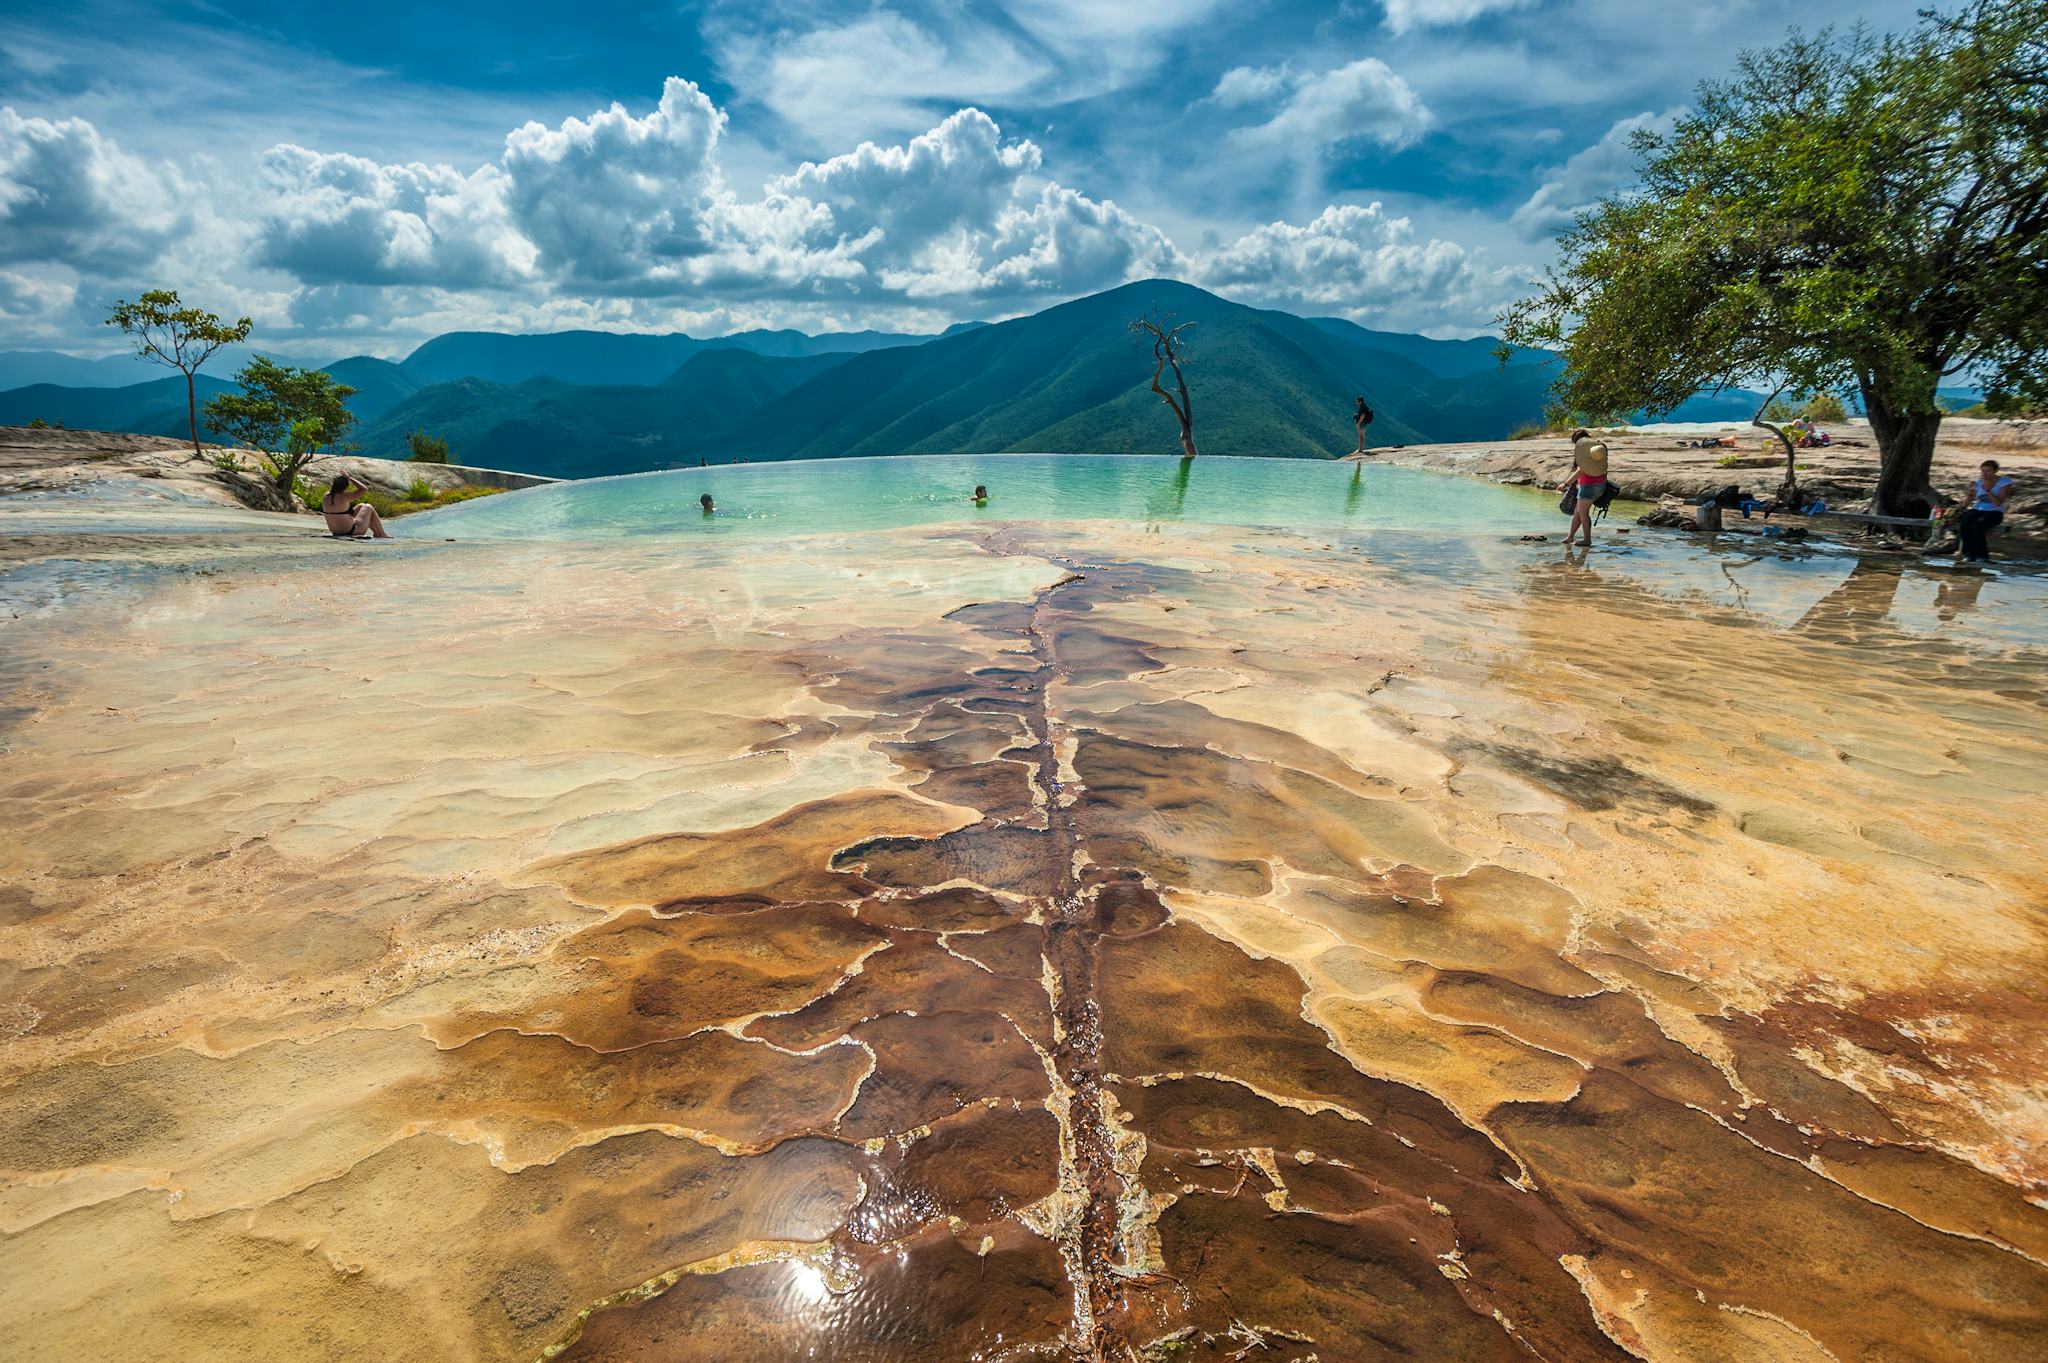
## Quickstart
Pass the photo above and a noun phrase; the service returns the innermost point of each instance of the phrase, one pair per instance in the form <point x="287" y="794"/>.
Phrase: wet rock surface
<point x="1040" y="943"/>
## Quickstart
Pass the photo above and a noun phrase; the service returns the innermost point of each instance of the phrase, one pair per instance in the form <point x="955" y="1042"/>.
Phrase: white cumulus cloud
<point x="1317" y="111"/>
<point x="959" y="173"/>
<point x="340" y="219"/>
<point x="1403" y="15"/>
<point x="882" y="74"/>
<point x="31" y="300"/>
<point x="629" y="206"/>
<point x="1358" y="262"/>
<point x="1582" y="181"/>
<point x="613" y="198"/>
<point x="72" y="196"/>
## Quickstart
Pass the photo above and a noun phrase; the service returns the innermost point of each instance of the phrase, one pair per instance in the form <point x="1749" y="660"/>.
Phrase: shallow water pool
<point x="825" y="495"/>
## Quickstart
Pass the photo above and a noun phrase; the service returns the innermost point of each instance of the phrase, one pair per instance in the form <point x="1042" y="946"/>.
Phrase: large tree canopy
<point x="1847" y="213"/>
<point x="285" y="412"/>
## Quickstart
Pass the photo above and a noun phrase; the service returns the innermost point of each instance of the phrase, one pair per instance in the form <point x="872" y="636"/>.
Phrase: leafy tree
<point x="285" y="413"/>
<point x="1848" y="210"/>
<point x="426" y="449"/>
<point x="1170" y="349"/>
<point x="1823" y="407"/>
<point x="168" y="333"/>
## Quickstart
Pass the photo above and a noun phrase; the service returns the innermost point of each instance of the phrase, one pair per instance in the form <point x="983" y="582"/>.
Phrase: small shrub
<point x="39" y="425"/>
<point x="1779" y="411"/>
<point x="419" y="490"/>
<point x="426" y="449"/>
<point x="227" y="461"/>
<point x="1531" y="431"/>
<point x="308" y="492"/>
<point x="2002" y="407"/>
<point x="1824" y="407"/>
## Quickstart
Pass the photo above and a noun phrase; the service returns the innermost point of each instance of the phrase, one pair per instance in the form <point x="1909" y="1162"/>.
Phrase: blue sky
<point x="359" y="177"/>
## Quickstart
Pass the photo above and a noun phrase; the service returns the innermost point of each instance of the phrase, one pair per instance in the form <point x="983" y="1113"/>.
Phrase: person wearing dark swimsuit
<point x="1361" y="419"/>
<point x="348" y="518"/>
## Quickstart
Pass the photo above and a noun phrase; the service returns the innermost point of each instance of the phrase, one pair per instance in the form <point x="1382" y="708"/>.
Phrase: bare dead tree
<point x="1788" y="494"/>
<point x="1168" y="349"/>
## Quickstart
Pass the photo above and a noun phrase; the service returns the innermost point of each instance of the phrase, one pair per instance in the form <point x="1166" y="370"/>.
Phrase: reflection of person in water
<point x="1956" y="594"/>
<point x="705" y="502"/>
<point x="1356" y="491"/>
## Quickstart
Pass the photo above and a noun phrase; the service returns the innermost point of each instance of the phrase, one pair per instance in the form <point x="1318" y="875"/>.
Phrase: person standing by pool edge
<point x="1362" y="418"/>
<point x="1588" y="480"/>
<point x="1988" y="496"/>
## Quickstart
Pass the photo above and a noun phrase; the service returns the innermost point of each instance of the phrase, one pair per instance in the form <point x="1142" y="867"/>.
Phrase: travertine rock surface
<point x="1039" y="943"/>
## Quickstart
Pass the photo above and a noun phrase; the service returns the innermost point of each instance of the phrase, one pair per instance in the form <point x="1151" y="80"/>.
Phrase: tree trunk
<point x="1187" y="414"/>
<point x="1788" y="495"/>
<point x="192" y="409"/>
<point x="1905" y="451"/>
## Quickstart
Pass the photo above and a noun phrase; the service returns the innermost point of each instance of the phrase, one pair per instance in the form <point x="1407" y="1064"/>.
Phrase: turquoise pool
<point x="829" y="495"/>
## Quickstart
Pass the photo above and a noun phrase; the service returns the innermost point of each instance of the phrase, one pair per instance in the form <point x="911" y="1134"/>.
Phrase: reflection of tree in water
<point x="1735" y="585"/>
<point x="1355" y="493"/>
<point x="1858" y="605"/>
<point x="1169" y="502"/>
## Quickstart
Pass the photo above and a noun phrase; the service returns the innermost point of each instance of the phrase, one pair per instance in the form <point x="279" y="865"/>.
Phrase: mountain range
<point x="1071" y="378"/>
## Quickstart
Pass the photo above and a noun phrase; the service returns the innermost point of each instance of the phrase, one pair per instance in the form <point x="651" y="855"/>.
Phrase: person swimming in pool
<point x="705" y="502"/>
<point x="980" y="497"/>
<point x="348" y="518"/>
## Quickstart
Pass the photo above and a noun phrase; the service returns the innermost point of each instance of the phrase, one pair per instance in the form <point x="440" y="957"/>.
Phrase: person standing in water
<point x="1588" y="480"/>
<point x="1362" y="418"/>
<point x="980" y="497"/>
<point x="705" y="502"/>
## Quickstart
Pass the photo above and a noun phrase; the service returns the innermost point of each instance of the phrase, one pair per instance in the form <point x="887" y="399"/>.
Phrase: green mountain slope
<point x="565" y="430"/>
<point x="608" y="358"/>
<point x="1072" y="378"/>
<point x="157" y="407"/>
<point x="731" y="382"/>
<point x="380" y="385"/>
<point x="153" y="408"/>
<point x="562" y="430"/>
<point x="1444" y="359"/>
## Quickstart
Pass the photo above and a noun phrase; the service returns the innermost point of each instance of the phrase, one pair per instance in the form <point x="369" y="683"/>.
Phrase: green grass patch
<point x="388" y="508"/>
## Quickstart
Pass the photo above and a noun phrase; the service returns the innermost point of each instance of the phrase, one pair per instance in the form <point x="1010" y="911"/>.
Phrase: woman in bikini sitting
<point x="347" y="517"/>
